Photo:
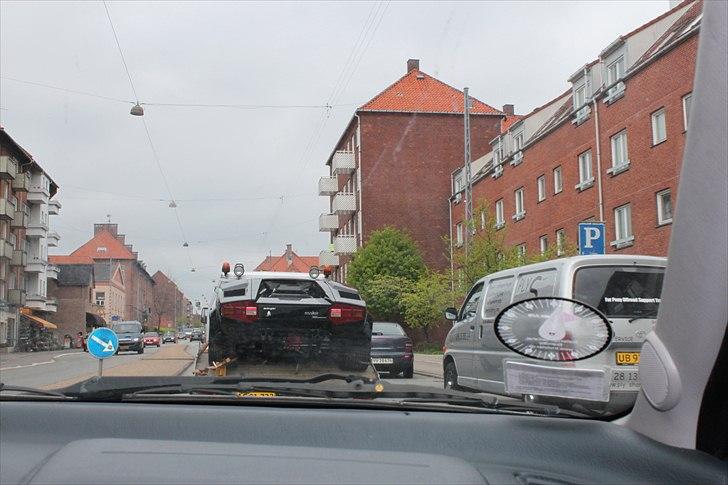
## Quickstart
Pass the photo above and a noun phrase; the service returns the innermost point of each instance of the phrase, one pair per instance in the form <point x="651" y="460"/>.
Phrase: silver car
<point x="626" y="289"/>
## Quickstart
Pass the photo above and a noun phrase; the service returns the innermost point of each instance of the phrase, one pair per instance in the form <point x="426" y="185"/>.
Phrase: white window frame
<point x="558" y="180"/>
<point x="686" y="100"/>
<point x="660" y="199"/>
<point x="617" y="86"/>
<point x="521" y="248"/>
<point x="499" y="214"/>
<point x="543" y="244"/>
<point x="579" y="101"/>
<point x="518" y="141"/>
<point x="482" y="219"/>
<point x="586" y="174"/>
<point x="623" y="226"/>
<point x="519" y="196"/>
<point x="458" y="181"/>
<point x="560" y="238"/>
<point x="459" y="234"/>
<point x="659" y="133"/>
<point x="497" y="170"/>
<point x="541" y="187"/>
<point x="620" y="153"/>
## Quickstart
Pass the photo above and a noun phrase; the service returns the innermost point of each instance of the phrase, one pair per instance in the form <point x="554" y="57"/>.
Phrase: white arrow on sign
<point x="108" y="346"/>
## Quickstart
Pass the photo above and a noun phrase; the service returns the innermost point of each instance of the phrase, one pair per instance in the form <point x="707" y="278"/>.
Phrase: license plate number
<point x="627" y="358"/>
<point x="382" y="361"/>
<point x="625" y="380"/>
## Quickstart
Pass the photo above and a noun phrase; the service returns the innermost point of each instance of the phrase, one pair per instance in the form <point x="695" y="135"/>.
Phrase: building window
<point x="558" y="181"/>
<point x="500" y="220"/>
<point x="659" y="130"/>
<point x="459" y="234"/>
<point x="620" y="156"/>
<point x="543" y="244"/>
<point x="521" y="248"/>
<point x="518" y="141"/>
<point x="520" y="209"/>
<point x="560" y="240"/>
<point x="100" y="298"/>
<point x="457" y="181"/>
<point x="586" y="178"/>
<point x="582" y="109"/>
<point x="623" y="226"/>
<point x="664" y="207"/>
<point x="482" y="219"/>
<point x="541" y="187"/>
<point x="686" y="102"/>
<point x="615" y="72"/>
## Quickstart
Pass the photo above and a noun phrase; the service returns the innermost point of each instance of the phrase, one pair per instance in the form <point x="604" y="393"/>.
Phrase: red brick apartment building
<point x="170" y="305"/>
<point x="609" y="149"/>
<point x="392" y="166"/>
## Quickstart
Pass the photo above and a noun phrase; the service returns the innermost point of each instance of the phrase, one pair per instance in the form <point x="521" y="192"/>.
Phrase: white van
<point x="626" y="289"/>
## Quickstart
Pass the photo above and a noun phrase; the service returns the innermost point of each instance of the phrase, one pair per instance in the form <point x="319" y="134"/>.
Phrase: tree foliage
<point x="384" y="296"/>
<point x="388" y="252"/>
<point x="425" y="301"/>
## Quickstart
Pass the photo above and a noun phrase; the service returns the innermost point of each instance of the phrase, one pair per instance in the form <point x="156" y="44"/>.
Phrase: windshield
<point x="620" y="292"/>
<point x="285" y="190"/>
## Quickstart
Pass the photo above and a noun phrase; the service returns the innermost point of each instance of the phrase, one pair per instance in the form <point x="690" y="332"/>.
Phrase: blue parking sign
<point x="592" y="237"/>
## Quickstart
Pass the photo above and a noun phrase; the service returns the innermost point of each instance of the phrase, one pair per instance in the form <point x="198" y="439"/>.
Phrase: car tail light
<point x="242" y="311"/>
<point x="408" y="347"/>
<point x="340" y="313"/>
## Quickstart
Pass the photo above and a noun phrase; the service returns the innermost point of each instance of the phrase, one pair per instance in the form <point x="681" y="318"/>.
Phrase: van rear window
<point x="620" y="291"/>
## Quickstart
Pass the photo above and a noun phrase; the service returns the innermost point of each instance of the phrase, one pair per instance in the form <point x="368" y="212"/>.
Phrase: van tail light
<point x="243" y="311"/>
<point x="340" y="313"/>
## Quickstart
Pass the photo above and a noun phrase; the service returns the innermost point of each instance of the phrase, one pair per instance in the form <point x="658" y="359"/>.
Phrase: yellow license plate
<point x="628" y="358"/>
<point x="257" y="394"/>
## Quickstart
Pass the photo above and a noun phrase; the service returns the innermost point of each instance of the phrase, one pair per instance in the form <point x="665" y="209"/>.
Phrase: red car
<point x="152" y="338"/>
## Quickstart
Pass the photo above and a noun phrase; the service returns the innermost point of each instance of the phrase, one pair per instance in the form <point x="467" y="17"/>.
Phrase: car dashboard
<point x="110" y="443"/>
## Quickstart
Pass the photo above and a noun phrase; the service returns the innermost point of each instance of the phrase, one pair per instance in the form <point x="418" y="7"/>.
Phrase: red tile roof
<point x="508" y="121"/>
<point x="299" y="264"/>
<point x="69" y="259"/>
<point x="417" y="92"/>
<point x="114" y="249"/>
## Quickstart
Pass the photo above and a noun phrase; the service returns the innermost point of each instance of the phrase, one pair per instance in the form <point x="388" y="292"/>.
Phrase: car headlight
<point x="135" y="339"/>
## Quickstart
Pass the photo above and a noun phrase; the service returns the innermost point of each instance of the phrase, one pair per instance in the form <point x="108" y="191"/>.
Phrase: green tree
<point x="383" y="295"/>
<point x="425" y="301"/>
<point x="388" y="252"/>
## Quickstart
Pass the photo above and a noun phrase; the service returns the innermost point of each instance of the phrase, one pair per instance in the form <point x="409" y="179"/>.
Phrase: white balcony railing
<point x="342" y="162"/>
<point x="344" y="203"/>
<point x="36" y="229"/>
<point x="52" y="271"/>
<point x="345" y="244"/>
<point x="54" y="207"/>
<point x="328" y="258"/>
<point x="328" y="222"/>
<point x="328" y="185"/>
<point x="35" y="265"/>
<point x="53" y="239"/>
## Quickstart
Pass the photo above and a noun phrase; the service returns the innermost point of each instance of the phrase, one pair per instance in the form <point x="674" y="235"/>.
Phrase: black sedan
<point x="392" y="349"/>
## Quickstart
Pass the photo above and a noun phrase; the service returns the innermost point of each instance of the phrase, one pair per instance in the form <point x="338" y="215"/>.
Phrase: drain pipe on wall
<point x="358" y="179"/>
<point x="598" y="144"/>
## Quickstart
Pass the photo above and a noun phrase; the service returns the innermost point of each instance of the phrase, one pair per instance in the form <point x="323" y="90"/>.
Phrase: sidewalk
<point x="428" y="365"/>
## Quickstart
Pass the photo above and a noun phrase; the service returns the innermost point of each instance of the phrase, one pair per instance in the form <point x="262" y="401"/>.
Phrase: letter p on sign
<point x="591" y="238"/>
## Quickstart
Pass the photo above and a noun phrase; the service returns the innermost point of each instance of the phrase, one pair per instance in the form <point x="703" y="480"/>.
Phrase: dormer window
<point x="615" y="72"/>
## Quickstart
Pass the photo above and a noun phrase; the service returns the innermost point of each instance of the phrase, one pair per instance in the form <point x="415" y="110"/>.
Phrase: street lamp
<point x="137" y="110"/>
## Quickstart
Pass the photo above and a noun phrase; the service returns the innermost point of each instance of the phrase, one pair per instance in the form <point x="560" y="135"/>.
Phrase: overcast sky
<point x="272" y="54"/>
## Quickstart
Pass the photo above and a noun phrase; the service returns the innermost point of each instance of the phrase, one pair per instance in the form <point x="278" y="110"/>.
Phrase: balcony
<point x="53" y="239"/>
<point x="51" y="305"/>
<point x="37" y="193"/>
<point x="6" y="249"/>
<point x="8" y="168"/>
<point x="21" y="182"/>
<point x="36" y="229"/>
<point x="20" y="220"/>
<point x="328" y="222"/>
<point x="16" y="297"/>
<point x="7" y="209"/>
<point x="328" y="258"/>
<point x="345" y="244"/>
<point x="342" y="162"/>
<point x="328" y="185"/>
<point x="19" y="258"/>
<point x="35" y="265"/>
<point x="54" y="207"/>
<point x="344" y="203"/>
<point x="36" y="302"/>
<point x="52" y="271"/>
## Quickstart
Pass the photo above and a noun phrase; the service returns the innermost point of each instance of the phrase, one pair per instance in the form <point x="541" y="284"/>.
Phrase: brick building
<point x="289" y="261"/>
<point x="108" y="249"/>
<point x="26" y="203"/>
<point x="170" y="305"/>
<point x="609" y="149"/>
<point x="392" y="166"/>
<point x="74" y="292"/>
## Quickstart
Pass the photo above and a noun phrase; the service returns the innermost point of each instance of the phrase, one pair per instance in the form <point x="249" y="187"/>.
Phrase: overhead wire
<point x="66" y="90"/>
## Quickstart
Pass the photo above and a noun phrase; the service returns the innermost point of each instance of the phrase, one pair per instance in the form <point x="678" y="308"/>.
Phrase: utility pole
<point x="468" y="175"/>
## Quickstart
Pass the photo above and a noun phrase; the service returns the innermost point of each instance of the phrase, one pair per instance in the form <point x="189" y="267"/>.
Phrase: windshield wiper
<point x="20" y="390"/>
<point x="642" y="317"/>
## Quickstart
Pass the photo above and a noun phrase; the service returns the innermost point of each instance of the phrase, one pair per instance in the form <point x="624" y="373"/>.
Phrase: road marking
<point x="40" y="363"/>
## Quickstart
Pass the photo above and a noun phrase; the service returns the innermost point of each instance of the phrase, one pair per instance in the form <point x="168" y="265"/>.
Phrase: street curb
<point x="428" y="374"/>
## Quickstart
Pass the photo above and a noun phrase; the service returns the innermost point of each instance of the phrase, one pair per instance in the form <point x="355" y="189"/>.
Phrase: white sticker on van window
<point x="556" y="381"/>
<point x="625" y="299"/>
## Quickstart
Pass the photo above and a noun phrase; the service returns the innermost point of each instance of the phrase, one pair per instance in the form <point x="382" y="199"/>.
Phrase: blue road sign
<point x="592" y="237"/>
<point x="102" y="343"/>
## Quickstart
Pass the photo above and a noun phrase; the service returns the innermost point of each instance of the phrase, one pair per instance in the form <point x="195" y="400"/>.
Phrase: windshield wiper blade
<point x="33" y="391"/>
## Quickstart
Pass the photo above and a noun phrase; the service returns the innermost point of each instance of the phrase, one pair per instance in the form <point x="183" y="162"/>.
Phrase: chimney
<point x="413" y="64"/>
<point x="289" y="254"/>
<point x="112" y="228"/>
<point x="508" y="109"/>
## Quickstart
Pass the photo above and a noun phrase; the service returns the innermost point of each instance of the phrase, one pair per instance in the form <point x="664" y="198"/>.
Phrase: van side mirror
<point x="451" y="313"/>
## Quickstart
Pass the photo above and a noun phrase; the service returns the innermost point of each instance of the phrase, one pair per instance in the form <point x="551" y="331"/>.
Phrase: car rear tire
<point x="409" y="372"/>
<point x="450" y="379"/>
